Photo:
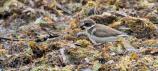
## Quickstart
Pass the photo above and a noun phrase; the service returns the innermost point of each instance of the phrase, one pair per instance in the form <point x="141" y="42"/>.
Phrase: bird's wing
<point x="105" y="31"/>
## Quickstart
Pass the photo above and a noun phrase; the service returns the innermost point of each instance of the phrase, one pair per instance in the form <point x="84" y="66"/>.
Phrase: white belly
<point x="104" y="39"/>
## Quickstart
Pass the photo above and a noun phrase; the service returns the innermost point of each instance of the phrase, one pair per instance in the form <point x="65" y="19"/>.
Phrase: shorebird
<point x="98" y="33"/>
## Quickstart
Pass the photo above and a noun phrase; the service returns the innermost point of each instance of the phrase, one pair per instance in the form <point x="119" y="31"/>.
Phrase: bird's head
<point x="86" y="24"/>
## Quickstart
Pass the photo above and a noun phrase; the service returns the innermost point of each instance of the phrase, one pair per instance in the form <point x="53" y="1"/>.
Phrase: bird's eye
<point x="88" y="24"/>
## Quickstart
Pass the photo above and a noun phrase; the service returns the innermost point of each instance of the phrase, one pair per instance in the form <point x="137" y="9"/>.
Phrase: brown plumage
<point x="105" y="31"/>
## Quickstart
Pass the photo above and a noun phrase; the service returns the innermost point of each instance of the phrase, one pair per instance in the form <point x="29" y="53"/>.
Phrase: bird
<point x="99" y="33"/>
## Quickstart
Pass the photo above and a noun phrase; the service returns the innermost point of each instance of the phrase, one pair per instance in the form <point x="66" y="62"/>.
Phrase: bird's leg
<point x="94" y="42"/>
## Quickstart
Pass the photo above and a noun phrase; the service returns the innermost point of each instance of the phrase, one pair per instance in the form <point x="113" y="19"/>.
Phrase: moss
<point x="83" y="43"/>
<point x="141" y="28"/>
<point x="78" y="54"/>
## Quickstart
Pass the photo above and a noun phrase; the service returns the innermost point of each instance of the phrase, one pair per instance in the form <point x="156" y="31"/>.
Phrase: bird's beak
<point x="82" y="27"/>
